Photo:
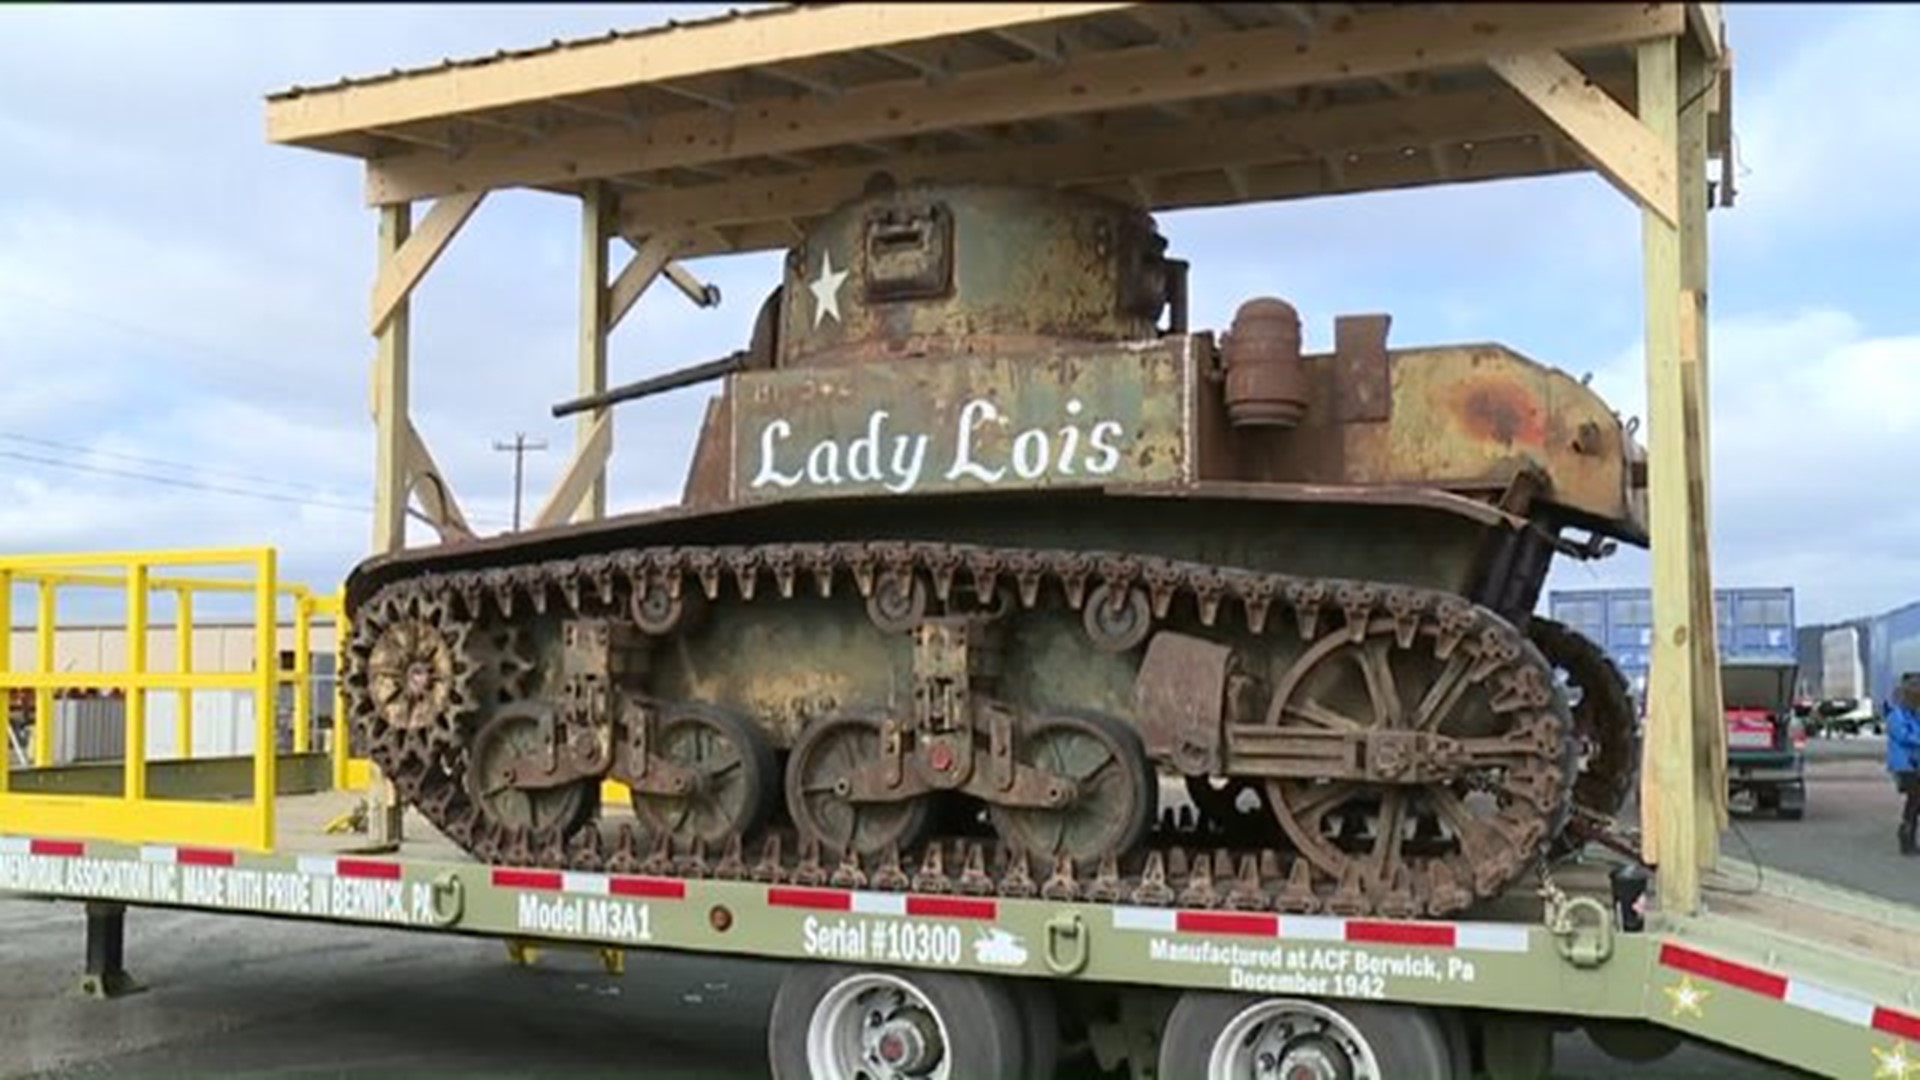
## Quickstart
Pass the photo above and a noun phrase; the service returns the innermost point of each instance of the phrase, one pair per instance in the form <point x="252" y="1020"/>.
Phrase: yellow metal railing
<point x="132" y="816"/>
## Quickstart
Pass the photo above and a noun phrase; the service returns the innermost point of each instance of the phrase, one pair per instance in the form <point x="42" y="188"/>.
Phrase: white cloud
<point x="1814" y="425"/>
<point x="1826" y="140"/>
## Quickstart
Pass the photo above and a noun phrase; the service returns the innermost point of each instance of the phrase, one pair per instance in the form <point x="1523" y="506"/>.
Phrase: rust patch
<point x="1180" y="696"/>
<point x="1363" y="383"/>
<point x="1500" y="411"/>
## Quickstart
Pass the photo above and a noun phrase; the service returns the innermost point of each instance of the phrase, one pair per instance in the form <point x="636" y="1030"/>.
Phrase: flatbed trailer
<point x="1797" y="973"/>
<point x="723" y="136"/>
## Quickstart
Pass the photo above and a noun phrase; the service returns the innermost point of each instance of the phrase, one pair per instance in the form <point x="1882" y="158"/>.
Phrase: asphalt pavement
<point x="241" y="997"/>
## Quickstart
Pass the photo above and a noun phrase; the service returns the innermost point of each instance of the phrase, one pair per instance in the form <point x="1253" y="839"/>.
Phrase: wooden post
<point x="1697" y="98"/>
<point x="392" y="425"/>
<point x="391" y="417"/>
<point x="1680" y="686"/>
<point x="596" y="228"/>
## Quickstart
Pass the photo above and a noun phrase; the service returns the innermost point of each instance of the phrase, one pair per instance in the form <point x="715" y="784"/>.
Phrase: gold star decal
<point x="1687" y="998"/>
<point x="1895" y="1063"/>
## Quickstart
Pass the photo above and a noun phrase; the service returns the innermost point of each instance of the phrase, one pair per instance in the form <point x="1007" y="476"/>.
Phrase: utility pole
<point x="519" y="446"/>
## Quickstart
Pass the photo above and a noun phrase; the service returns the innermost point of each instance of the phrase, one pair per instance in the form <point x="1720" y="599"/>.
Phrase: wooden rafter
<point x="1389" y="43"/>
<point x="1484" y="114"/>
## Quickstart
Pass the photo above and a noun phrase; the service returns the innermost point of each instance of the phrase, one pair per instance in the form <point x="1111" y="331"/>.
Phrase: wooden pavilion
<point x="731" y="134"/>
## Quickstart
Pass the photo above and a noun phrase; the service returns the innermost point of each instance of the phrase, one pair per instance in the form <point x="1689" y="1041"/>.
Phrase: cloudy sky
<point x="182" y="304"/>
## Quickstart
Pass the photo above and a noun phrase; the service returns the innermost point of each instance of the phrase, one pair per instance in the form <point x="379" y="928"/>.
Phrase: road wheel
<point x="1214" y="1036"/>
<point x="832" y="1022"/>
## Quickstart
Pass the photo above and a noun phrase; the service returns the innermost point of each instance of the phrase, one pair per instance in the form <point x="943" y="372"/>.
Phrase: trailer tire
<point x="1040" y="1020"/>
<point x="1208" y="1031"/>
<point x="973" y="1019"/>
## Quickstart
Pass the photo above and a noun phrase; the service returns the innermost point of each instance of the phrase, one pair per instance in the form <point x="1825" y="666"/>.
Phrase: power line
<point x="140" y="460"/>
<point x="174" y="481"/>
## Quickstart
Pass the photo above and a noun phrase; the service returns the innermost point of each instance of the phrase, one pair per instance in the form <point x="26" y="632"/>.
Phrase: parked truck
<point x="1845" y="707"/>
<point x="1766" y="743"/>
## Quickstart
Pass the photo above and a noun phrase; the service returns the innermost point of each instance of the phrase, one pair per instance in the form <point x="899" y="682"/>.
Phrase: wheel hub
<point x="1311" y="1058"/>
<point x="907" y="1043"/>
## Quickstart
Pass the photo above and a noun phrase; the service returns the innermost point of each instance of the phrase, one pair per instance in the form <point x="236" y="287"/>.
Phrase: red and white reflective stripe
<point x="21" y="845"/>
<point x="1799" y="992"/>
<point x="857" y="902"/>
<point x="185" y="856"/>
<point x="331" y="866"/>
<point x="1476" y="937"/>
<point x="650" y="888"/>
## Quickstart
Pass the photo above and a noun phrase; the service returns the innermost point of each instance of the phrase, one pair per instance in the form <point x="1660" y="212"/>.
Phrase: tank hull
<point x="976" y="562"/>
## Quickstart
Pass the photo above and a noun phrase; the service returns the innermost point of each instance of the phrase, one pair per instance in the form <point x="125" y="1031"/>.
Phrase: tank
<point x="992" y="575"/>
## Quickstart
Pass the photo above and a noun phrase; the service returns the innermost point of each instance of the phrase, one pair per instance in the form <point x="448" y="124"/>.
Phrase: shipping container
<point x="1893" y="646"/>
<point x="1751" y="623"/>
<point x="1842" y="664"/>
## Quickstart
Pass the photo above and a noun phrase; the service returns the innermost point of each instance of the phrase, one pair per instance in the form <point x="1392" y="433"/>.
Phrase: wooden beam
<point x="747" y="41"/>
<point x="596" y="229"/>
<point x="1680" y="574"/>
<point x="1616" y="142"/>
<point x="404" y="269"/>
<point x="630" y="120"/>
<point x="1482" y="115"/>
<point x="425" y="480"/>
<point x="391" y="418"/>
<point x="934" y="71"/>
<point x="826" y="88"/>
<point x="649" y="259"/>
<point x="1388" y="43"/>
<point x="1696" y="75"/>
<point x="585" y="471"/>
<point x="695" y="290"/>
<point x="1708" y="27"/>
<point x="443" y="145"/>
<point x="1051" y="50"/>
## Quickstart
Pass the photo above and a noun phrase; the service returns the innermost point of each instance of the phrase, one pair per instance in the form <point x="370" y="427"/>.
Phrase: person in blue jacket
<point x="1903" y="756"/>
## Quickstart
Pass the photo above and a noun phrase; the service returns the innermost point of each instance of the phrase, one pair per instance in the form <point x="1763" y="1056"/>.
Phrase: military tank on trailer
<point x="977" y="556"/>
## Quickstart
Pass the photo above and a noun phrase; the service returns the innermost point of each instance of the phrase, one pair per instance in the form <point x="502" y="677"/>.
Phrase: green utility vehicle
<point x="1766" y="742"/>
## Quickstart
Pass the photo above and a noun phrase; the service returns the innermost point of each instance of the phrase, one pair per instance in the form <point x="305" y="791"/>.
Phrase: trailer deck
<point x="1802" y="973"/>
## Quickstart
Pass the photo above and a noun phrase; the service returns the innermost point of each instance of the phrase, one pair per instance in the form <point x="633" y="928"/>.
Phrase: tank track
<point x="418" y="727"/>
<point x="1603" y="717"/>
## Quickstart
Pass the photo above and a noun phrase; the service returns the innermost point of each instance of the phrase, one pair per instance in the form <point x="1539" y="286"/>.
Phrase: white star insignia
<point x="826" y="290"/>
<point x="1894" y="1064"/>
<point x="1686" y="997"/>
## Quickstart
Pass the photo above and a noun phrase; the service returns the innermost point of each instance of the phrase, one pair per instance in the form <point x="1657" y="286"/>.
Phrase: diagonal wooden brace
<point x="401" y="271"/>
<point x="1610" y="137"/>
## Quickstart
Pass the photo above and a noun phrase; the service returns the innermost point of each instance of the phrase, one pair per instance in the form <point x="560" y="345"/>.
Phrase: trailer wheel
<point x="840" y="1023"/>
<point x="1040" y="1020"/>
<point x="1231" y="1036"/>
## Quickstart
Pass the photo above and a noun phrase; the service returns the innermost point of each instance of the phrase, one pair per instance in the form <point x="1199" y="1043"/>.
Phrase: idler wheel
<point x="824" y="763"/>
<point x="1116" y="795"/>
<point x="522" y="731"/>
<point x="1603" y="716"/>
<point x="736" y="772"/>
<point x="1468" y="829"/>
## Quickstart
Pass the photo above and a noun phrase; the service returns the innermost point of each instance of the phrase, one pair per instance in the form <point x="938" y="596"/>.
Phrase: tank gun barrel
<point x="656" y="384"/>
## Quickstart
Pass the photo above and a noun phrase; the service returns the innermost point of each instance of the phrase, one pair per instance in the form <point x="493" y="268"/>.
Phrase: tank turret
<point x="938" y="271"/>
